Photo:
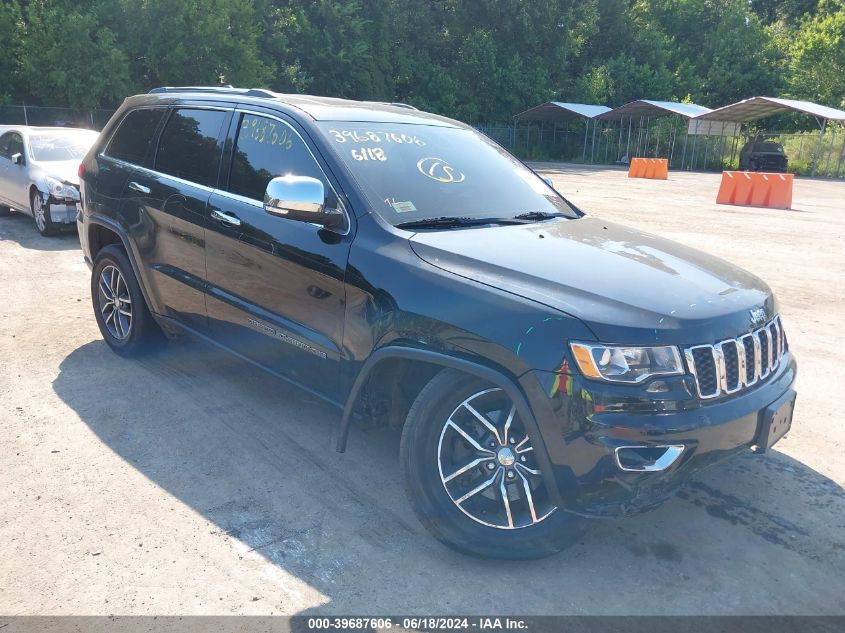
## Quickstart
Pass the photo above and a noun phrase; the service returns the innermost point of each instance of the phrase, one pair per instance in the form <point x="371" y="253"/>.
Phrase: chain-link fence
<point x="93" y="118"/>
<point x="808" y="153"/>
<point x="597" y="142"/>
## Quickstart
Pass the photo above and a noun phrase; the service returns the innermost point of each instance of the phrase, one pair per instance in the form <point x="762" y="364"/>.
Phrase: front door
<point x="276" y="286"/>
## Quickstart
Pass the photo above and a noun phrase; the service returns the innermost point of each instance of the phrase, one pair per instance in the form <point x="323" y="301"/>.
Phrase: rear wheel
<point x="119" y="306"/>
<point x="41" y="214"/>
<point x="472" y="476"/>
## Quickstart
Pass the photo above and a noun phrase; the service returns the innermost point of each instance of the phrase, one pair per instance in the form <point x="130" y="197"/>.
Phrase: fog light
<point x="658" y="386"/>
<point x="647" y="459"/>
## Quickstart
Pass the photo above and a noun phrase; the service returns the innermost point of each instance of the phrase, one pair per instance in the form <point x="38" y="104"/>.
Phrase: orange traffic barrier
<point x="756" y="189"/>
<point x="655" y="168"/>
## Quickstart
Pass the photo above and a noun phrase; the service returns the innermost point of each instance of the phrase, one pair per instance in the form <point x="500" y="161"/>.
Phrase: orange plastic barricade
<point x="654" y="168"/>
<point x="756" y="189"/>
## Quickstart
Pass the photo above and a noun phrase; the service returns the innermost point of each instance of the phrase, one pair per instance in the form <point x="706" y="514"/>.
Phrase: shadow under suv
<point x="545" y="366"/>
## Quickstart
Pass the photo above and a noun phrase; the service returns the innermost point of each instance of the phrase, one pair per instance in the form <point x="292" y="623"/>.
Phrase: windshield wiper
<point x="533" y="216"/>
<point x="447" y="222"/>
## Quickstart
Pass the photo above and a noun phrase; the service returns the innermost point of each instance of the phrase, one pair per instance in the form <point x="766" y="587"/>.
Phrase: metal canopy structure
<point x="654" y="109"/>
<point x="644" y="110"/>
<point x="560" y="111"/>
<point x="555" y="111"/>
<point x="761" y="107"/>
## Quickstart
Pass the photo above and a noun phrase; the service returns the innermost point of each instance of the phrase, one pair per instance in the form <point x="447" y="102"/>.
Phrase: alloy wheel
<point x="115" y="302"/>
<point x="487" y="465"/>
<point x="38" y="213"/>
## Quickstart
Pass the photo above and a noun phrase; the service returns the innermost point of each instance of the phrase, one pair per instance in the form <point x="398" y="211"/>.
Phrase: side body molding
<point x="469" y="367"/>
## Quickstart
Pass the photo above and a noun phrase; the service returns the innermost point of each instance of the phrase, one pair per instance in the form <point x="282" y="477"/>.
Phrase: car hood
<point x="625" y="285"/>
<point x="64" y="170"/>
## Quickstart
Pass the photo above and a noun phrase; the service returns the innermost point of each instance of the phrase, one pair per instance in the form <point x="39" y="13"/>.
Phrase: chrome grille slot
<point x="764" y="338"/>
<point x="730" y="357"/>
<point x="775" y="338"/>
<point x="731" y="365"/>
<point x="750" y="359"/>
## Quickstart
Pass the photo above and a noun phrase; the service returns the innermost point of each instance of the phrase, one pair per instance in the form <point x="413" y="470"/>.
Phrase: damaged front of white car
<point x="39" y="173"/>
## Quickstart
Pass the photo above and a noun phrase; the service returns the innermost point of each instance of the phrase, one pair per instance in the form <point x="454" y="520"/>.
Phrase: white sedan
<point x="39" y="173"/>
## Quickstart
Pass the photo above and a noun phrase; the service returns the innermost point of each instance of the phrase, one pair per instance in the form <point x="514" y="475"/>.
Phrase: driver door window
<point x="266" y="148"/>
<point x="11" y="143"/>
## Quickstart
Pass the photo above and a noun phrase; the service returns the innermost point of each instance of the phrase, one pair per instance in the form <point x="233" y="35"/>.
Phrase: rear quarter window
<point x="134" y="136"/>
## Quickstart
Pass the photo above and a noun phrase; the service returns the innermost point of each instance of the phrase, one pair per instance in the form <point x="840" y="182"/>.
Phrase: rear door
<point x="132" y="145"/>
<point x="276" y="286"/>
<point x="167" y="203"/>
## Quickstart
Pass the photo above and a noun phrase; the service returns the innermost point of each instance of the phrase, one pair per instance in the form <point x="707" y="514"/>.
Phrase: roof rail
<point x="226" y="89"/>
<point x="399" y="104"/>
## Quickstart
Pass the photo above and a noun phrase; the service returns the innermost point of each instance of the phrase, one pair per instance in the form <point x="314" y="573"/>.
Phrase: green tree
<point x="11" y="41"/>
<point x="190" y="43"/>
<point x="742" y="61"/>
<point x="817" y="57"/>
<point x="67" y="58"/>
<point x="331" y="46"/>
<point x="790" y="11"/>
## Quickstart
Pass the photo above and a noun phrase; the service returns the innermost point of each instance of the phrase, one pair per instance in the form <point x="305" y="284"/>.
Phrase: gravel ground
<point x="188" y="483"/>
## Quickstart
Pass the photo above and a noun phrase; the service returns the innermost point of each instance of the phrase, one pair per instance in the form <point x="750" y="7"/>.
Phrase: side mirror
<point x="301" y="198"/>
<point x="17" y="159"/>
<point x="548" y="181"/>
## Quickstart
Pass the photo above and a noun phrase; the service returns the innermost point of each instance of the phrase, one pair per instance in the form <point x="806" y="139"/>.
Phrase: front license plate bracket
<point x="776" y="420"/>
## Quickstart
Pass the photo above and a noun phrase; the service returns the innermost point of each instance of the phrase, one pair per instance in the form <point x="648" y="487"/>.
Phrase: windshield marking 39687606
<point x="445" y="172"/>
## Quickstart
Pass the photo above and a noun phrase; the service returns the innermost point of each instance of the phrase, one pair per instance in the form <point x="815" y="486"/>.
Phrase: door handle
<point x="227" y="218"/>
<point x="134" y="186"/>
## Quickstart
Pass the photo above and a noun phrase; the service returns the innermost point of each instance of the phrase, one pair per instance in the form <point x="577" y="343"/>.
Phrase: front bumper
<point x="582" y="438"/>
<point x="62" y="212"/>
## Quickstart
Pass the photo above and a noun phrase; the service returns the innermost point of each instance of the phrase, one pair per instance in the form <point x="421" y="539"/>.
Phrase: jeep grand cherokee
<point x="544" y="366"/>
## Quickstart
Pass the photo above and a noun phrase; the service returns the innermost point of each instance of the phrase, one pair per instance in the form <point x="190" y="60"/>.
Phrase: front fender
<point x="507" y="383"/>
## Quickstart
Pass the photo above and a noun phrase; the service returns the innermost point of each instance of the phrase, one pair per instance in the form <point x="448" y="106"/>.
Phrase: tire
<point x="433" y="452"/>
<point x="41" y="214"/>
<point x="5" y="211"/>
<point x="127" y="326"/>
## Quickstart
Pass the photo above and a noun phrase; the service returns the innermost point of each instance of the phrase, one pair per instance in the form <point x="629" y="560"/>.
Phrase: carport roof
<point x="647" y="107"/>
<point x="559" y="111"/>
<point x="760" y="107"/>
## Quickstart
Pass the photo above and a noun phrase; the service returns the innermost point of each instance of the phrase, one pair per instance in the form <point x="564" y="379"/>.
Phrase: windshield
<point x="768" y="147"/>
<point x="414" y="172"/>
<point x="50" y="147"/>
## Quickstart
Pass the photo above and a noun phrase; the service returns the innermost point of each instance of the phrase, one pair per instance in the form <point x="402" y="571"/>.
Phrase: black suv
<point x="544" y="366"/>
<point x="763" y="156"/>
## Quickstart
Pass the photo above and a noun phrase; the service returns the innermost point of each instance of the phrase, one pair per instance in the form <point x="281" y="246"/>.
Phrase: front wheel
<point x="472" y="476"/>
<point x="41" y="214"/>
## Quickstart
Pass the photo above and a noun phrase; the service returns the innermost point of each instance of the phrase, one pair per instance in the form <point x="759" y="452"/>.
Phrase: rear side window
<point x="267" y="148"/>
<point x="190" y="145"/>
<point x="134" y="135"/>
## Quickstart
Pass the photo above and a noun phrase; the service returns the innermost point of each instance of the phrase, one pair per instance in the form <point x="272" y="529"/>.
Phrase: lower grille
<point x="735" y="364"/>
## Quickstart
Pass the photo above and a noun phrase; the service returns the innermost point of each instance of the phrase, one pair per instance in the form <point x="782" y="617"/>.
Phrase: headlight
<point x="59" y="189"/>
<point x="626" y="364"/>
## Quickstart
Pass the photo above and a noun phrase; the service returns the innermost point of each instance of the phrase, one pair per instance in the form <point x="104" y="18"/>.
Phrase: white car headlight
<point x="60" y="189"/>
<point x="615" y="363"/>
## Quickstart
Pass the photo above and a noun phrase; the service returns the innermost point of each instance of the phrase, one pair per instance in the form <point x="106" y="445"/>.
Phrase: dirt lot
<point x="190" y="483"/>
